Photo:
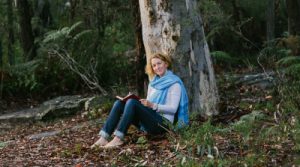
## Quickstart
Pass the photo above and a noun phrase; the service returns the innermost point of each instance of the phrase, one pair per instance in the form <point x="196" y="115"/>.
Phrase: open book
<point x="129" y="96"/>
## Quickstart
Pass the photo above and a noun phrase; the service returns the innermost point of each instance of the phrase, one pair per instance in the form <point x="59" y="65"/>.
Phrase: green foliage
<point x="214" y="18"/>
<point x="246" y="124"/>
<point x="296" y="133"/>
<point x="289" y="60"/>
<point x="64" y="34"/>
<point x="98" y="111"/>
<point x="272" y="53"/>
<point x="25" y="78"/>
<point x="254" y="8"/>
<point x="292" y="66"/>
<point x="223" y="59"/>
<point x="78" y="149"/>
<point x="199" y="135"/>
<point x="2" y="145"/>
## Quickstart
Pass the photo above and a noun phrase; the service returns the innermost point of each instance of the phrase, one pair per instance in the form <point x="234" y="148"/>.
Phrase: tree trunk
<point x="43" y="12"/>
<point x="236" y="11"/>
<point x="11" y="38"/>
<point x="140" y="50"/>
<point x="270" y="20"/>
<point x="27" y="37"/>
<point x="100" y="25"/>
<point x="1" y="54"/>
<point x="293" y="10"/>
<point x="175" y="27"/>
<point x="73" y="10"/>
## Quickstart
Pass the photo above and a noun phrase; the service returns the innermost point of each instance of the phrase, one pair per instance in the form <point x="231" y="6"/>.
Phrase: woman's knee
<point x="118" y="103"/>
<point x="132" y="102"/>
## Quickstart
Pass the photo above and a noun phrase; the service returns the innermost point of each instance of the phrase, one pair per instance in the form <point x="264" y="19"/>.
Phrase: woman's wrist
<point x="154" y="106"/>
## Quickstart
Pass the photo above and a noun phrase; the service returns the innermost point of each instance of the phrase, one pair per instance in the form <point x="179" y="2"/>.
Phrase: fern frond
<point x="79" y="35"/>
<point x="64" y="33"/>
<point x="51" y="36"/>
<point x="289" y="60"/>
<point x="293" y="69"/>
<point x="74" y="26"/>
<point x="222" y="56"/>
<point x="55" y="35"/>
<point x="27" y="66"/>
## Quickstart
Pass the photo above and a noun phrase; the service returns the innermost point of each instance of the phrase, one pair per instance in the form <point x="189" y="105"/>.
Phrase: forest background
<point x="50" y="48"/>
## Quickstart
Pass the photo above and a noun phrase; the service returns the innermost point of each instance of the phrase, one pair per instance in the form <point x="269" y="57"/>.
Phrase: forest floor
<point x="70" y="139"/>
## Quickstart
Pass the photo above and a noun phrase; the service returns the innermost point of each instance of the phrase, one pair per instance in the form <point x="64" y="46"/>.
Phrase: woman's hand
<point x="146" y="103"/>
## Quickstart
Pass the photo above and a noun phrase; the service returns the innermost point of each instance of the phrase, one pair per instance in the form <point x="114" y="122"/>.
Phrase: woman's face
<point x="159" y="67"/>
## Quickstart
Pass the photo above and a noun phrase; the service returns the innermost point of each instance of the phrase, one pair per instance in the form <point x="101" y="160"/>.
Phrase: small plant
<point x="65" y="153"/>
<point x="78" y="149"/>
<point x="246" y="124"/>
<point x="23" y="78"/>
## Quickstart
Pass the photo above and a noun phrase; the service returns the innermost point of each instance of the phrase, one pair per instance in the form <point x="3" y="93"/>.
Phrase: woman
<point x="166" y="98"/>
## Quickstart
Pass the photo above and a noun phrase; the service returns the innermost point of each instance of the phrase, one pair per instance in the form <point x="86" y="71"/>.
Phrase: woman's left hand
<point x="146" y="103"/>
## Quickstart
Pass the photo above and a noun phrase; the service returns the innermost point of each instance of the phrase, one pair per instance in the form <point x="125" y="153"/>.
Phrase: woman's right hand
<point x="146" y="103"/>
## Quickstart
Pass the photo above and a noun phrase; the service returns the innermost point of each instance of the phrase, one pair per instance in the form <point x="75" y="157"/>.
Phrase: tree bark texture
<point x="270" y="20"/>
<point x="74" y="4"/>
<point x="1" y="55"/>
<point x="43" y="11"/>
<point x="293" y="10"/>
<point x="175" y="27"/>
<point x="27" y="37"/>
<point x="11" y="38"/>
<point x="140" y="50"/>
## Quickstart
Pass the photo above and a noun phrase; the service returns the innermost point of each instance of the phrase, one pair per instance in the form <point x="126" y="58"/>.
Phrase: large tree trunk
<point x="11" y="38"/>
<point x="74" y="4"/>
<point x="43" y="11"/>
<point x="1" y="55"/>
<point x="27" y="37"/>
<point x="236" y="11"/>
<point x="140" y="50"/>
<point x="293" y="10"/>
<point x="175" y="27"/>
<point x="270" y="20"/>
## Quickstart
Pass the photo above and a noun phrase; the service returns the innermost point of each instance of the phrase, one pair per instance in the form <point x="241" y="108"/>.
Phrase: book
<point x="129" y="96"/>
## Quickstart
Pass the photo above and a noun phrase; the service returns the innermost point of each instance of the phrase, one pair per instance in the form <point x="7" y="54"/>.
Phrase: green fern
<point x="29" y="66"/>
<point x="292" y="65"/>
<point x="25" y="74"/>
<point x="64" y="33"/>
<point x="220" y="56"/>
<point x="74" y="27"/>
<point x="293" y="69"/>
<point x="290" y="60"/>
<point x="81" y="34"/>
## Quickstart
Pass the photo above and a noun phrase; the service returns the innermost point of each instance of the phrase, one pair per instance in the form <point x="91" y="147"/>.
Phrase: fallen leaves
<point x="71" y="146"/>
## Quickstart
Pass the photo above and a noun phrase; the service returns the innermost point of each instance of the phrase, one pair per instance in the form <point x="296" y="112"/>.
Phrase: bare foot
<point x="114" y="143"/>
<point x="99" y="143"/>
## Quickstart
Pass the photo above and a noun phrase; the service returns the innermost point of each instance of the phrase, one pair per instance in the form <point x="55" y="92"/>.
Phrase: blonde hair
<point x="164" y="58"/>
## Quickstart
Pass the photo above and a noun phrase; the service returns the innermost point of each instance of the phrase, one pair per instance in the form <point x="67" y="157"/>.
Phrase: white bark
<point x="174" y="27"/>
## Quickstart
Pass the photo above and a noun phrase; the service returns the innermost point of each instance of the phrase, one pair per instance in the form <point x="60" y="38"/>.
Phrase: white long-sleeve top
<point x="168" y="109"/>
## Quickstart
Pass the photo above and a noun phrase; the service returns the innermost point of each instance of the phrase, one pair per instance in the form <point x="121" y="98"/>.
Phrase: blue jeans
<point x="122" y="115"/>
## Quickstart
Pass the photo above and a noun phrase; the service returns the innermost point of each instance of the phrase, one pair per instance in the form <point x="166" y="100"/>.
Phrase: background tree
<point x="27" y="38"/>
<point x="140" y="50"/>
<point x="270" y="20"/>
<point x="1" y="54"/>
<point x="10" y="29"/>
<point x="175" y="27"/>
<point x="293" y="10"/>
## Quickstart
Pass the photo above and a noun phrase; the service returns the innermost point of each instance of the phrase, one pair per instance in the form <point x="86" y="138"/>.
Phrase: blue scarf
<point x="162" y="85"/>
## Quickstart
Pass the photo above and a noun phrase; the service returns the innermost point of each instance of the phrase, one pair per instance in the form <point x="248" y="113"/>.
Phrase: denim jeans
<point x="122" y="115"/>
